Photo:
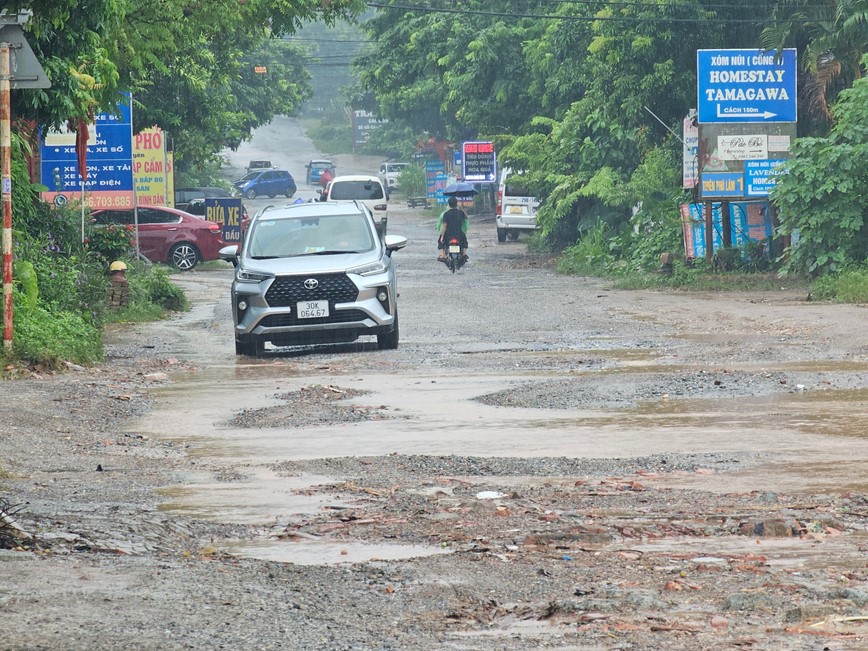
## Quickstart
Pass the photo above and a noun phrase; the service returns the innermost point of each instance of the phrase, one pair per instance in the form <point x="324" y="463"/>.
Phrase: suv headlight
<point x="250" y="276"/>
<point x="371" y="269"/>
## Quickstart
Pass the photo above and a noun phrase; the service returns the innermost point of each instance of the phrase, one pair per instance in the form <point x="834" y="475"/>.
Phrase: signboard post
<point x="19" y="68"/>
<point x="746" y="86"/>
<point x="478" y="162"/>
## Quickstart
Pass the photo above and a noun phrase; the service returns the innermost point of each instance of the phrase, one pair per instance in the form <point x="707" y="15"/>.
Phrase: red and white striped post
<point x="6" y="181"/>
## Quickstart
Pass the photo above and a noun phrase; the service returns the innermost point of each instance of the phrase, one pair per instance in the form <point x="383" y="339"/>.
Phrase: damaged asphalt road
<point x="545" y="462"/>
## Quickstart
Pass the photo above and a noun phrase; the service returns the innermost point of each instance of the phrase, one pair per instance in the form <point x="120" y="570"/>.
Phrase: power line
<point x="619" y="19"/>
<point x="658" y="5"/>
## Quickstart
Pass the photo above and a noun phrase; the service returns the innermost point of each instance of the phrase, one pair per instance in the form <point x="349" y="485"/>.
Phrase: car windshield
<point x="284" y="238"/>
<point x="320" y="166"/>
<point x="397" y="167"/>
<point x="349" y="190"/>
<point x="249" y="177"/>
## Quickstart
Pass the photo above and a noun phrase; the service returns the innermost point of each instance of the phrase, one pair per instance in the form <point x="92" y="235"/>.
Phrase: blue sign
<point x="761" y="175"/>
<point x="435" y="178"/>
<point x="109" y="181"/>
<point x="746" y="86"/>
<point x="722" y="184"/>
<point x="227" y="213"/>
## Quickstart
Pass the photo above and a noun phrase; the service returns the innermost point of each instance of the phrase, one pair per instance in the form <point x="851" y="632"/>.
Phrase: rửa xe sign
<point x="737" y="86"/>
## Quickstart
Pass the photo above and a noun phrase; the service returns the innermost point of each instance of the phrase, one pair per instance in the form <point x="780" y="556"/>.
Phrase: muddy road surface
<point x="543" y="463"/>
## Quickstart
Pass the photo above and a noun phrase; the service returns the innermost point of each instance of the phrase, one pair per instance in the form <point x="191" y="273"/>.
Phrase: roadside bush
<point x="591" y="256"/>
<point x="823" y="197"/>
<point x="411" y="181"/>
<point x="52" y="337"/>
<point x="111" y="242"/>
<point x="847" y="286"/>
<point x="156" y="288"/>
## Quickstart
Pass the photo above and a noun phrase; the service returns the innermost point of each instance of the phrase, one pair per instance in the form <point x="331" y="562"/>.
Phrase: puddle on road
<point x="326" y="552"/>
<point x="262" y="497"/>
<point x="789" y="553"/>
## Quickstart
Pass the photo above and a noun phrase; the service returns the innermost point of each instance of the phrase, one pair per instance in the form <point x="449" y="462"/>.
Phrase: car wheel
<point x="389" y="340"/>
<point x="251" y="194"/>
<point x="501" y="235"/>
<point x="250" y="348"/>
<point x="290" y="190"/>
<point x="513" y="235"/>
<point x="184" y="256"/>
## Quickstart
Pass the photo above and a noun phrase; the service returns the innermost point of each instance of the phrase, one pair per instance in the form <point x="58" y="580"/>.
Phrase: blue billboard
<point x="109" y="181"/>
<point x="737" y="86"/>
<point x="760" y="176"/>
<point x="722" y="184"/>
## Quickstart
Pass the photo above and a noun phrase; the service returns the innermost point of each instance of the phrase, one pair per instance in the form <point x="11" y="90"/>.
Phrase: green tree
<point x="823" y="198"/>
<point x="831" y="36"/>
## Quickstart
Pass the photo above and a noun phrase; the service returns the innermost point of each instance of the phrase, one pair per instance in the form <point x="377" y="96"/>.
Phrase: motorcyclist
<point x="454" y="226"/>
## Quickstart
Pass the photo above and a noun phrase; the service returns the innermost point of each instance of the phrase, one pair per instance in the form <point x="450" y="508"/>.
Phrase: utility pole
<point x="18" y="69"/>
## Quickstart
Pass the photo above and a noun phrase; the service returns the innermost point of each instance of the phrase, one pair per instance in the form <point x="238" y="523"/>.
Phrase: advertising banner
<point x="479" y="162"/>
<point x="741" y="147"/>
<point x="722" y="185"/>
<point x="761" y="175"/>
<point x="751" y="222"/>
<point x="109" y="181"/>
<point x="435" y="180"/>
<point x="690" y="153"/>
<point x="363" y="123"/>
<point x="226" y="212"/>
<point x="150" y="168"/>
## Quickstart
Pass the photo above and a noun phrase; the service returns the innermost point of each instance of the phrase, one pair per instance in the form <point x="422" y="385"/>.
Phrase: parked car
<point x="168" y="235"/>
<point x="368" y="190"/>
<point x="259" y="165"/>
<point x="515" y="209"/>
<point x="389" y="173"/>
<point x="313" y="273"/>
<point x="183" y="196"/>
<point x="266" y="182"/>
<point x="316" y="167"/>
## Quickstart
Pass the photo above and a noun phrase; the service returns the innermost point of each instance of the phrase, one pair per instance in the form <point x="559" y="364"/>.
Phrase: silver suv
<point x="313" y="273"/>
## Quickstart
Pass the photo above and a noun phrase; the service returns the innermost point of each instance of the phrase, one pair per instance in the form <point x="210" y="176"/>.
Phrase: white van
<point x="364" y="189"/>
<point x="516" y="208"/>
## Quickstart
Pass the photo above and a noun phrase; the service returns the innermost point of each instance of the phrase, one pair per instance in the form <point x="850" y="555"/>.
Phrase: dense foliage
<point x="191" y="68"/>
<point x="567" y="91"/>
<point x="824" y="196"/>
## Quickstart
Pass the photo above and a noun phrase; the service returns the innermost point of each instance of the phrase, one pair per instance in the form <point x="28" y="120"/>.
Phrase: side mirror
<point x="395" y="242"/>
<point x="229" y="254"/>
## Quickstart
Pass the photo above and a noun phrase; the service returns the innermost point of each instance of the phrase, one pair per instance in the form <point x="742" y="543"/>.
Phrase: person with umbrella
<point x="454" y="225"/>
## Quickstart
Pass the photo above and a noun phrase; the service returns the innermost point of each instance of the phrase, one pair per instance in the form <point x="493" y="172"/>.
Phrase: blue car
<point x="316" y="167"/>
<point x="266" y="182"/>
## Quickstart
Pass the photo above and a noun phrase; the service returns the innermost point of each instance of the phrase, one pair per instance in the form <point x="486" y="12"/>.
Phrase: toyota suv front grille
<point x="286" y="291"/>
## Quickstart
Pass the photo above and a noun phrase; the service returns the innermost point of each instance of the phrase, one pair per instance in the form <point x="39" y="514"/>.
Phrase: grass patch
<point x="847" y="286"/>
<point x="698" y="278"/>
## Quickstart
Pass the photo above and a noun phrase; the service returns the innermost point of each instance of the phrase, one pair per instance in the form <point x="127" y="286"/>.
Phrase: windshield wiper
<point x="331" y="252"/>
<point x="264" y="257"/>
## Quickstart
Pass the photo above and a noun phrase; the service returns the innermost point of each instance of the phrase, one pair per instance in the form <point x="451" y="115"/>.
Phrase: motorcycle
<point x="454" y="260"/>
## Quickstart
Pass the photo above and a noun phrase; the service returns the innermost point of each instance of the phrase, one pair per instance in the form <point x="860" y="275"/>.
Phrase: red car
<point x="168" y="235"/>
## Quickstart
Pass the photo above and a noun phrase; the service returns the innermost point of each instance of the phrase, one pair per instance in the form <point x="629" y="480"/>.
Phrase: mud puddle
<point x="258" y="498"/>
<point x="326" y="552"/>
